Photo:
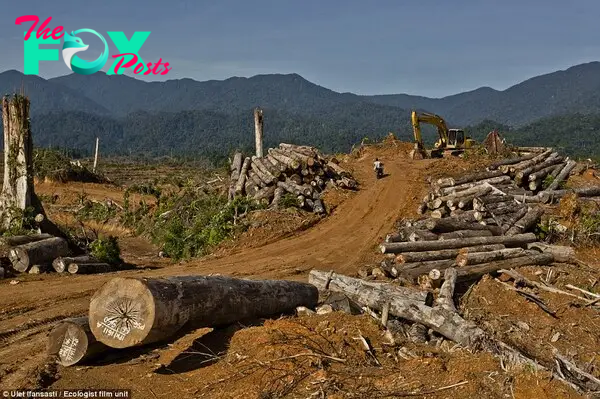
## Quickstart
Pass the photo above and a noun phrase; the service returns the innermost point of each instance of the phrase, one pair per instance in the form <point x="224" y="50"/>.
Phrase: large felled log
<point x="509" y="203"/>
<point x="548" y="195"/>
<point x="526" y="222"/>
<point x="241" y="182"/>
<point x="277" y="197"/>
<point x="519" y="240"/>
<point x="478" y="176"/>
<point x="307" y="160"/>
<point x="450" y="224"/>
<point x="533" y="149"/>
<point x="525" y="164"/>
<point x="294" y="188"/>
<point x="533" y="258"/>
<point x="89" y="268"/>
<point x="265" y="194"/>
<point x="510" y="161"/>
<point x="514" y="218"/>
<point x="541" y="174"/>
<point x="413" y="257"/>
<point x="72" y="341"/>
<point x="61" y="263"/>
<point x="38" y="252"/>
<point x="465" y="234"/>
<point x="262" y="172"/>
<point x="559" y="252"/>
<point x="472" y="188"/>
<point x="281" y="157"/>
<point x="323" y="281"/>
<point x="446" y="323"/>
<point x="338" y="170"/>
<point x="475" y="258"/>
<point x="476" y="271"/>
<point x="279" y="165"/>
<point x="552" y="160"/>
<point x="256" y="181"/>
<point x="22" y="239"/>
<point x="406" y="269"/>
<point x="562" y="175"/>
<point x="131" y="311"/>
<point x="422" y="235"/>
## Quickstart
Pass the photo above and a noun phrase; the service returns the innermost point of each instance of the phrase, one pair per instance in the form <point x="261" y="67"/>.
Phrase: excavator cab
<point x="456" y="138"/>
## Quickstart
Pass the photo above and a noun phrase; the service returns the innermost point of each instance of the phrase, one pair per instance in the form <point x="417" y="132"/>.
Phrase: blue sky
<point x="427" y="47"/>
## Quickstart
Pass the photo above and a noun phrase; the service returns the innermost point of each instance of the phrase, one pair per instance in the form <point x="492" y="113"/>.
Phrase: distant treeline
<point x="214" y="136"/>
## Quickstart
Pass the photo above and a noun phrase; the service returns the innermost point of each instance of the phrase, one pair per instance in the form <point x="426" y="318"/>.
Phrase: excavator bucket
<point x="417" y="153"/>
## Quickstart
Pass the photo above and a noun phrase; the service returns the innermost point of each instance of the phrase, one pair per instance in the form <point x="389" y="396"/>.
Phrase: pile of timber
<point x="480" y="222"/>
<point x="533" y="177"/>
<point x="302" y="171"/>
<point x="42" y="253"/>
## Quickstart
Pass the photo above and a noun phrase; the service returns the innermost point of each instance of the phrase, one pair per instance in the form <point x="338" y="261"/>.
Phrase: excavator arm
<point x="432" y="119"/>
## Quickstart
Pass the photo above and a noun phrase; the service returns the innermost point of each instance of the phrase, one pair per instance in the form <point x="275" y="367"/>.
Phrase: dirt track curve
<point x="342" y="242"/>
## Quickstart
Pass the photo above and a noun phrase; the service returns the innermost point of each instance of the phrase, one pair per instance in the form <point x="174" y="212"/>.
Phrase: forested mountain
<point x="575" y="90"/>
<point x="211" y="118"/>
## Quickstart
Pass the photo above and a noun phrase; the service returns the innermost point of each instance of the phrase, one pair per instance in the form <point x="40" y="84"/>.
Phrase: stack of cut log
<point x="41" y="253"/>
<point x="299" y="170"/>
<point x="498" y="195"/>
<point x="480" y="222"/>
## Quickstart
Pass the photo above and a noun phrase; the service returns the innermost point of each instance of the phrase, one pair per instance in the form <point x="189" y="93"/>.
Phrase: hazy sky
<point x="426" y="47"/>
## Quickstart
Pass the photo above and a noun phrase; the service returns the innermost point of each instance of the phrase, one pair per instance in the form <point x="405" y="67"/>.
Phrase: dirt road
<point x="341" y="242"/>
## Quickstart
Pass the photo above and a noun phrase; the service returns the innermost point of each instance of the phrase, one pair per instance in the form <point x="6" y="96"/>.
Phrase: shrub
<point x="106" y="250"/>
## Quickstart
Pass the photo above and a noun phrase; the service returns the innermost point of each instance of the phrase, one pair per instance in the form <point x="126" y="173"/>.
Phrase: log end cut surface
<point x="122" y="313"/>
<point x="69" y="342"/>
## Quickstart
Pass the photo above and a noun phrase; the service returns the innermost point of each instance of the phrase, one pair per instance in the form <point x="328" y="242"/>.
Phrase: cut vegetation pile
<point x="52" y="165"/>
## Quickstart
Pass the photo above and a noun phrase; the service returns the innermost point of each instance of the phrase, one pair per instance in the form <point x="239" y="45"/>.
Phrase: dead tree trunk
<point x="17" y="190"/>
<point x="18" y="193"/>
<point x="129" y="311"/>
<point x="258" y="131"/>
<point x="447" y="323"/>
<point x="96" y="155"/>
<point x="72" y="342"/>
<point x="38" y="252"/>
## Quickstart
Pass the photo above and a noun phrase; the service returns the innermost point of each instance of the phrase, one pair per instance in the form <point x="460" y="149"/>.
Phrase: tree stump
<point x="18" y="196"/>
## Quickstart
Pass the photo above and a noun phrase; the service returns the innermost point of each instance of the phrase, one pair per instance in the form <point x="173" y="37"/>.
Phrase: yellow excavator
<point x="451" y="141"/>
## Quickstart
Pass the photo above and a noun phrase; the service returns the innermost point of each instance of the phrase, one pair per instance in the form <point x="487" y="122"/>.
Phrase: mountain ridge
<point x="127" y="113"/>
